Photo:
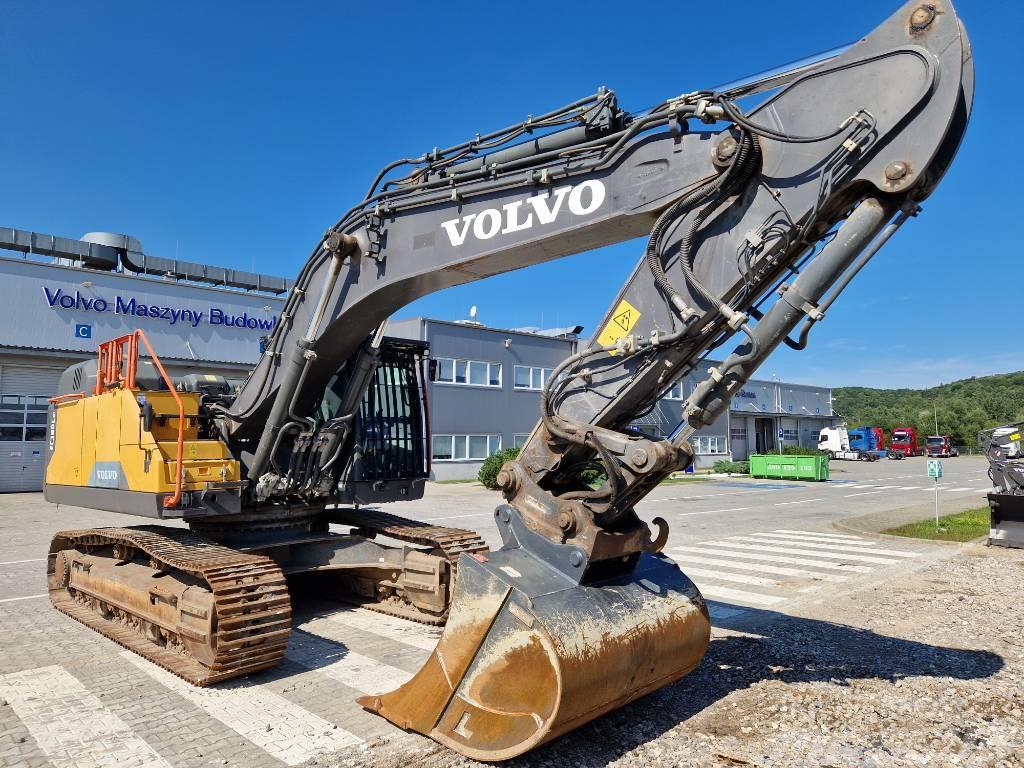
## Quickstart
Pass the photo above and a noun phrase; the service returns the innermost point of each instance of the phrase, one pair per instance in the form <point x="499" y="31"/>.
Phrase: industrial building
<point x="485" y="395"/>
<point x="62" y="297"/>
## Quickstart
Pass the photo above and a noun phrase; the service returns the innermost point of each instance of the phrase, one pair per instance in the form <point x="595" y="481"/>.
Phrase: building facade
<point x="485" y="395"/>
<point x="61" y="298"/>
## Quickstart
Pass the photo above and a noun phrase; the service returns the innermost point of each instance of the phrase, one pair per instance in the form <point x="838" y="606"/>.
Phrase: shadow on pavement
<point x="786" y="649"/>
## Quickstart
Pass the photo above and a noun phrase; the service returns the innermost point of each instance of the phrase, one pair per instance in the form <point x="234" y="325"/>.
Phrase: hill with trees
<point x="963" y="407"/>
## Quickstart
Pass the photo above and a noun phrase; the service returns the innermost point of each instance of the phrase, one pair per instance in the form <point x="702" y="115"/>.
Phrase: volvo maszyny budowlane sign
<point x="58" y="298"/>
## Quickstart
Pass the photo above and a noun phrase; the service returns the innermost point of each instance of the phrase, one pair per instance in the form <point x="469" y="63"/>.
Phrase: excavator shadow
<point x="766" y="646"/>
<point x="772" y="647"/>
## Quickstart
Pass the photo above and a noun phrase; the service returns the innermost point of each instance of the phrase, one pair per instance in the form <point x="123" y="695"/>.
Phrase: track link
<point x="251" y="606"/>
<point x="453" y="542"/>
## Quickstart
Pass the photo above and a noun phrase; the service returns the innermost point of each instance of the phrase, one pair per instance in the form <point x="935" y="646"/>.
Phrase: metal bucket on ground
<point x="529" y="654"/>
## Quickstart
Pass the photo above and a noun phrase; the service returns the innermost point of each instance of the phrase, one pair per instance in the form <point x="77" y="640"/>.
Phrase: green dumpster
<point x="785" y="467"/>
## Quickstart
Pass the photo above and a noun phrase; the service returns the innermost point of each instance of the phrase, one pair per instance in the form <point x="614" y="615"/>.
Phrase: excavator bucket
<point x="529" y="654"/>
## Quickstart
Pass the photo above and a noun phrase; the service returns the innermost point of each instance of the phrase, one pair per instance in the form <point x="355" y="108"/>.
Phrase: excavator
<point x="759" y="200"/>
<point x="1002" y="447"/>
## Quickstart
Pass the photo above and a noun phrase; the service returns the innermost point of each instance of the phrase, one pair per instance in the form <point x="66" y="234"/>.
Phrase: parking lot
<point x="761" y="551"/>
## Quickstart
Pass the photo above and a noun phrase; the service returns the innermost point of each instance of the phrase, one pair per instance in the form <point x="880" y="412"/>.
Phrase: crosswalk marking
<point x="757" y="545"/>
<point x="71" y="725"/>
<point x="739" y="578"/>
<point x="284" y="730"/>
<point x="348" y="667"/>
<point x="818" y="539"/>
<point x="820" y="533"/>
<point x="779" y="570"/>
<point x="730" y="550"/>
<point x="417" y="635"/>
<point x="739" y="595"/>
<point x="842" y="549"/>
<point x="26" y="597"/>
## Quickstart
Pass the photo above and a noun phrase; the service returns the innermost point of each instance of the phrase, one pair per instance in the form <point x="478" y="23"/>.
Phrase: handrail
<point x="115" y="368"/>
<point x="169" y="503"/>
<point x="58" y="399"/>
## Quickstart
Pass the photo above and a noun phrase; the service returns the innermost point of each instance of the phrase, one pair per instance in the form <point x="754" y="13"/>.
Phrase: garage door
<point x="29" y="380"/>
<point x="22" y="442"/>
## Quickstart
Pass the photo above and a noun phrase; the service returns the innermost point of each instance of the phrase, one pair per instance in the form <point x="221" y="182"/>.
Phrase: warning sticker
<point x="623" y="319"/>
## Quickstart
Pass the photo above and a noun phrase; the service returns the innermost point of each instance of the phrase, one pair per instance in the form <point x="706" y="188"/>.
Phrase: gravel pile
<point x="925" y="672"/>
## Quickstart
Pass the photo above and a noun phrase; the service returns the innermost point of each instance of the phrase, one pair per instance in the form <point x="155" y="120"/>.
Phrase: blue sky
<point x="235" y="133"/>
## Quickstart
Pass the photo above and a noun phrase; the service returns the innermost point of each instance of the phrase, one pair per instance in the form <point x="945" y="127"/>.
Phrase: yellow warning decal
<point x="623" y="319"/>
<point x="1015" y="436"/>
<point x="210" y="377"/>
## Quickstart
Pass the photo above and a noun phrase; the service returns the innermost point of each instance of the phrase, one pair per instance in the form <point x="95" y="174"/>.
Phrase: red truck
<point x="904" y="440"/>
<point x="941" y="446"/>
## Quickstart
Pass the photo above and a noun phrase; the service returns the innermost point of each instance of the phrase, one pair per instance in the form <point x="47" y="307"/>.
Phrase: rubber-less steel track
<point x="451" y="541"/>
<point x="252" y="609"/>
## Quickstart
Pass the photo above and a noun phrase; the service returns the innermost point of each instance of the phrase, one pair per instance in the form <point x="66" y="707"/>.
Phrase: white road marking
<point x="864" y="493"/>
<point x="711" y="511"/>
<point x="959" y="490"/>
<point x="390" y="627"/>
<point x="820" y="533"/>
<point x="779" y="570"/>
<point x="818" y="539"/>
<point x="26" y="597"/>
<point x="30" y="560"/>
<point x="71" y="725"/>
<point x="730" y="550"/>
<point x="739" y="578"/>
<point x="757" y="545"/>
<point x="347" y="667"/>
<point x="742" y="596"/>
<point x="720" y="612"/>
<point x="803" y="501"/>
<point x="841" y="549"/>
<point x="910" y="488"/>
<point x="284" y="730"/>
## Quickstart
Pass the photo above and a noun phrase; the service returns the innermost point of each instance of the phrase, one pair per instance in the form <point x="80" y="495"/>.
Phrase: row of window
<point x="527" y="377"/>
<point x="474" y="372"/>
<point x="22" y="418"/>
<point x="463" y="447"/>
<point x="710" y="445"/>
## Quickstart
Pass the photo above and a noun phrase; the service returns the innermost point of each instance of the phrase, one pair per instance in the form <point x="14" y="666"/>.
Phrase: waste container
<point x="786" y="467"/>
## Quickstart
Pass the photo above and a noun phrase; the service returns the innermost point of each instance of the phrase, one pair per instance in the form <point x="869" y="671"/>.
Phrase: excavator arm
<point x="758" y="201"/>
<point x="751" y="218"/>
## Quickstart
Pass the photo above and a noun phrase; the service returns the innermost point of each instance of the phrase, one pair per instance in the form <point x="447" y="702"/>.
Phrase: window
<point x="710" y="445"/>
<point x="476" y="373"/>
<point x="18" y="414"/>
<point x="676" y="392"/>
<point x="791" y="434"/>
<point x="464" y="447"/>
<point x="737" y="433"/>
<point x="518" y="441"/>
<point x="527" y="377"/>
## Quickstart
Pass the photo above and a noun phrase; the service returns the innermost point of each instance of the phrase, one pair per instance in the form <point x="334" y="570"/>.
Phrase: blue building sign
<point x="57" y="298"/>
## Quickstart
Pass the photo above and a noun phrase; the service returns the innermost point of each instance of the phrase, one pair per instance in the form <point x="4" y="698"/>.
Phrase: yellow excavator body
<point x="103" y="441"/>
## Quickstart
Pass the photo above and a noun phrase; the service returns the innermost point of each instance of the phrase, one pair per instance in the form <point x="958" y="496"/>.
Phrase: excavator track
<point x="233" y="610"/>
<point x="453" y="542"/>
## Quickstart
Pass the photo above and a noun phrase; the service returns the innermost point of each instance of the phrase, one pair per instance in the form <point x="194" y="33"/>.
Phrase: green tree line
<point x="963" y="407"/>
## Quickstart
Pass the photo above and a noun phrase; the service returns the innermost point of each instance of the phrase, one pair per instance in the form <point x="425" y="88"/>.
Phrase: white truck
<point x="836" y="442"/>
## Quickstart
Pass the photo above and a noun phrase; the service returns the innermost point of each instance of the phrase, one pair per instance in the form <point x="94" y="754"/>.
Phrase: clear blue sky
<point x="234" y="133"/>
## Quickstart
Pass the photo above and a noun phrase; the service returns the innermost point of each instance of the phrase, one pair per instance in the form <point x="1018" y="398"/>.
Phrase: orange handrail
<point x="115" y="368"/>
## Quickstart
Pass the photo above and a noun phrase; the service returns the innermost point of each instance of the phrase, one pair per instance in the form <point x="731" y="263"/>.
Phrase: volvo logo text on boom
<point x="520" y="215"/>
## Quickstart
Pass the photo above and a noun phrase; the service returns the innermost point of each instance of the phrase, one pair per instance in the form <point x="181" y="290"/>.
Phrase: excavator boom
<point x="756" y="216"/>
